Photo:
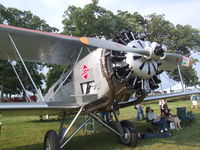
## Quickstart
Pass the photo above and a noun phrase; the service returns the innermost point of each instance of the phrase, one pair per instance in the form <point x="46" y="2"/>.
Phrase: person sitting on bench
<point x="165" y="113"/>
<point x="156" y="120"/>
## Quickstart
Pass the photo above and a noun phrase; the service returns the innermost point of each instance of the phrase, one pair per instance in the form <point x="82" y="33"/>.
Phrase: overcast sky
<point x="176" y="11"/>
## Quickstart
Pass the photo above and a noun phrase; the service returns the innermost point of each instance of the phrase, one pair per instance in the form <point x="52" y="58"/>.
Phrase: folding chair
<point x="153" y="127"/>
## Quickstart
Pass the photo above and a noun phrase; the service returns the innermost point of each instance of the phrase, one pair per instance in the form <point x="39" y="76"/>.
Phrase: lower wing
<point x="57" y="108"/>
<point x="134" y="101"/>
<point x="37" y="108"/>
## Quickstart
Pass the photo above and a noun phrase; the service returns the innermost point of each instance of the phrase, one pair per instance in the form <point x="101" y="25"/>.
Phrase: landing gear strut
<point x="125" y="130"/>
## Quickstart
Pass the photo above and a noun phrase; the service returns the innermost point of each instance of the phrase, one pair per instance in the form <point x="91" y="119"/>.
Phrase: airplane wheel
<point x="130" y="137"/>
<point x="51" y="141"/>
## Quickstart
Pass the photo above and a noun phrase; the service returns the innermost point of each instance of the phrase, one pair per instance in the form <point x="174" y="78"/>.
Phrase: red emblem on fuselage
<point x="85" y="72"/>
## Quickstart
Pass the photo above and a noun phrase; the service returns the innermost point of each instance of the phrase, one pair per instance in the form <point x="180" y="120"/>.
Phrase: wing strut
<point x="69" y="72"/>
<point x="16" y="49"/>
<point x="18" y="77"/>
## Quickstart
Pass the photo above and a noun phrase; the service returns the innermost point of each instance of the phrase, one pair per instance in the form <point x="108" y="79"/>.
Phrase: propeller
<point x="112" y="45"/>
<point x="170" y="61"/>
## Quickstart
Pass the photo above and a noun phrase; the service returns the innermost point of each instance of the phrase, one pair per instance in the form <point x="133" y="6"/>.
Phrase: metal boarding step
<point x="89" y="127"/>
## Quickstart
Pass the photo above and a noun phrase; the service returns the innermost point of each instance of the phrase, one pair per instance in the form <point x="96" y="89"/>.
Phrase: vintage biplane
<point x="103" y="77"/>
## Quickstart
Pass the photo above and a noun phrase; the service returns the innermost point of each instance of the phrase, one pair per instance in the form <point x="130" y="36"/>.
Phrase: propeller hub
<point x="141" y="66"/>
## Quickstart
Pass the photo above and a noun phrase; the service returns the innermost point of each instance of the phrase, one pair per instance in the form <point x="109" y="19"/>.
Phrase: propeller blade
<point x="173" y="58"/>
<point x="111" y="45"/>
<point x="170" y="61"/>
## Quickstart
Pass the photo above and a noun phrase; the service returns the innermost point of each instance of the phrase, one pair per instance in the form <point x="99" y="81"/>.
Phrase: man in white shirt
<point x="157" y="120"/>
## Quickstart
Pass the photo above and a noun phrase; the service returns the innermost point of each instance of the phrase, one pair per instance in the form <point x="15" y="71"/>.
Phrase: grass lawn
<point x="27" y="133"/>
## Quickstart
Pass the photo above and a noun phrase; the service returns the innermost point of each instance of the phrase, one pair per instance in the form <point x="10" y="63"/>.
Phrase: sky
<point x="176" y="11"/>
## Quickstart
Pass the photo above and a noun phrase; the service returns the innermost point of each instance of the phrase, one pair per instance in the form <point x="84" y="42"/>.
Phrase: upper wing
<point x="37" y="46"/>
<point x="134" y="101"/>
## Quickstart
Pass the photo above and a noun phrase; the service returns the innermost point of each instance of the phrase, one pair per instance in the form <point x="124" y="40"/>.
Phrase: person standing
<point x="162" y="102"/>
<point x="103" y="114"/>
<point x="140" y="112"/>
<point x="194" y="101"/>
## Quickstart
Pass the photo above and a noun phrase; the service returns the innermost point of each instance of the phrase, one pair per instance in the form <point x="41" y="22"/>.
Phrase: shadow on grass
<point x="189" y="137"/>
<point x="27" y="147"/>
<point x="107" y="140"/>
<point x="45" y="121"/>
<point x="97" y="141"/>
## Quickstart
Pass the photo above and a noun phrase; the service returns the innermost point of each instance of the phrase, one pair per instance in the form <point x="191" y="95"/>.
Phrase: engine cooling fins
<point x="156" y="80"/>
<point x="122" y="72"/>
<point x="115" y="59"/>
<point x="152" y="84"/>
<point x="135" y="83"/>
<point x="159" y="72"/>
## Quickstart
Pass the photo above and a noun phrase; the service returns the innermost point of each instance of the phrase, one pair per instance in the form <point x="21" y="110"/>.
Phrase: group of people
<point x="163" y="119"/>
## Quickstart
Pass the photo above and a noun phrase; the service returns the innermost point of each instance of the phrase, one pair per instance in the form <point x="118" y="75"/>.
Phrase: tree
<point x="134" y="22"/>
<point x="8" y="79"/>
<point x="2" y="13"/>
<point x="92" y="20"/>
<point x="54" y="73"/>
<point x="179" y="39"/>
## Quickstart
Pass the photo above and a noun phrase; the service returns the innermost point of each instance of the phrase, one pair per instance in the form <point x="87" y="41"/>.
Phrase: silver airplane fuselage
<point x="95" y="84"/>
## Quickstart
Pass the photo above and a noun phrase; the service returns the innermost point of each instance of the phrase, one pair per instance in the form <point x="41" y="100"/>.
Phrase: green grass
<point x="27" y="133"/>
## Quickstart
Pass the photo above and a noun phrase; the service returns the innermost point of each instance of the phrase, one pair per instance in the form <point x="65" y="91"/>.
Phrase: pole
<point x="1" y="94"/>
<point x="161" y="85"/>
<point x="181" y="78"/>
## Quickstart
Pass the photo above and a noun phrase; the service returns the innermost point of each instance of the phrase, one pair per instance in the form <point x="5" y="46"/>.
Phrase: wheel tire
<point x="131" y="136"/>
<point x="51" y="141"/>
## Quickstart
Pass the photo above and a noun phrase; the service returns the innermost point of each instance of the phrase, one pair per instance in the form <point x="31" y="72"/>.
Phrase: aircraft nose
<point x="141" y="67"/>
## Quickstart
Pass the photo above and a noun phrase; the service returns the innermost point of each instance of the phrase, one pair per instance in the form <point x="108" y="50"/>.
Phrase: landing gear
<point x="130" y="136"/>
<point x="125" y="130"/>
<point x="51" y="141"/>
